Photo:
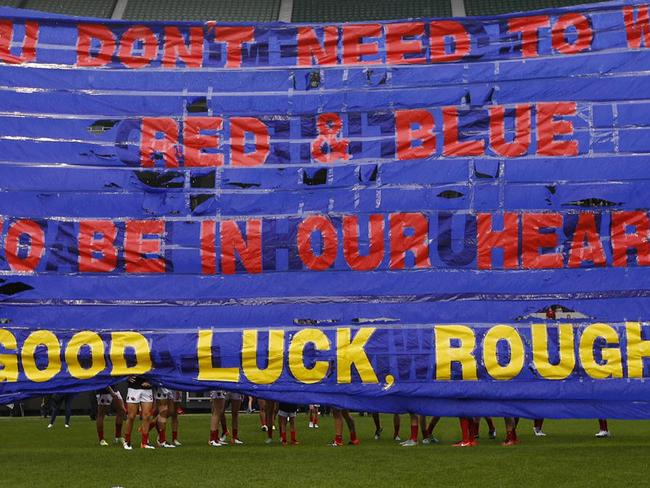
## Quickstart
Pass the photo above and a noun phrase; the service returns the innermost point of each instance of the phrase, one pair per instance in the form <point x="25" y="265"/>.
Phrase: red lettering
<point x="445" y="32"/>
<point x="144" y="237"/>
<point x="489" y="239"/>
<point x="354" y="49"/>
<point x="638" y="31"/>
<point x="411" y="126"/>
<point x="175" y="49"/>
<point x="234" y="37"/>
<point x="533" y="240"/>
<point x="328" y="147"/>
<point x="239" y="126"/>
<point x="159" y="141"/>
<point x="97" y="251"/>
<point x="548" y="127"/>
<point x="195" y="141"/>
<point x="586" y="245"/>
<point x="29" y="42"/>
<point x="452" y="146"/>
<point x="625" y="239"/>
<point x="249" y="251"/>
<point x="310" y="48"/>
<point x="528" y="27"/>
<point x="329" y="239"/>
<point x="100" y="33"/>
<point x="34" y="247"/>
<point x="584" y="34"/>
<point x="351" y="242"/>
<point x="136" y="37"/>
<point x="417" y="242"/>
<point x="208" y="247"/>
<point x="521" y="142"/>
<point x="397" y="47"/>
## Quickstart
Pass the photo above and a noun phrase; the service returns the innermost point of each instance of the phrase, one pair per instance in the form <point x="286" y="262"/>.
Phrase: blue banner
<point x="438" y="216"/>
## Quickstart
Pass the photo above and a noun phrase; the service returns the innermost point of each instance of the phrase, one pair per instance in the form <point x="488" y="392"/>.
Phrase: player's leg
<point x="467" y="439"/>
<point x="604" y="429"/>
<point x="427" y="429"/>
<point x="413" y="438"/>
<point x="120" y="415"/>
<point x="68" y="408"/>
<point x="224" y="424"/>
<point x="270" y="418"/>
<point x="292" y="428"/>
<point x="354" y="440"/>
<point x="54" y="409"/>
<point x="102" y="410"/>
<point x="492" y="430"/>
<point x="396" y="426"/>
<point x="337" y="414"/>
<point x="147" y="413"/>
<point x="217" y="406"/>
<point x="261" y="405"/>
<point x="164" y="409"/>
<point x="174" y="420"/>
<point x="537" y="427"/>
<point x="283" y="428"/>
<point x="511" y="432"/>
<point x="235" y="406"/>
<point x="132" y="412"/>
<point x="378" y="428"/>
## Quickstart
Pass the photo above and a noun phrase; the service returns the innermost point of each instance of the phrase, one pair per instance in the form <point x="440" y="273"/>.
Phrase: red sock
<point x="235" y="433"/>
<point x="514" y="435"/>
<point x="338" y="439"/>
<point x="414" y="433"/>
<point x="174" y="435"/>
<point x="214" y="435"/>
<point x="315" y="419"/>
<point x="118" y="430"/>
<point x="293" y="436"/>
<point x="162" y="436"/>
<point x="100" y="434"/>
<point x="283" y="436"/>
<point x="353" y="436"/>
<point x="464" y="428"/>
<point x="145" y="438"/>
<point x="127" y="438"/>
<point x="603" y="424"/>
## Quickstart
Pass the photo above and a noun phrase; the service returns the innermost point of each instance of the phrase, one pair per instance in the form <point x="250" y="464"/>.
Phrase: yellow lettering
<point x="8" y="362"/>
<point x="351" y="352"/>
<point x="275" y="356"/>
<point x="122" y="340"/>
<point x="297" y="362"/>
<point x="490" y="355"/>
<point x="96" y="345"/>
<point x="611" y="366"/>
<point x="51" y="343"/>
<point x="637" y="349"/>
<point x="464" y="354"/>
<point x="207" y="371"/>
<point x="567" y="363"/>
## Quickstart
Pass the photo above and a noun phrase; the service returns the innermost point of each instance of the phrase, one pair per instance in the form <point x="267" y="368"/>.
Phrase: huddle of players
<point x="140" y="401"/>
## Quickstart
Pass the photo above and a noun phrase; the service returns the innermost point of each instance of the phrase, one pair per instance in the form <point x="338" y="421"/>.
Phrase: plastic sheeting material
<point x="442" y="216"/>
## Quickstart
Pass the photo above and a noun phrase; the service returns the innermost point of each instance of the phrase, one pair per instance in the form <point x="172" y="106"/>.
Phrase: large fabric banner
<point x="441" y="216"/>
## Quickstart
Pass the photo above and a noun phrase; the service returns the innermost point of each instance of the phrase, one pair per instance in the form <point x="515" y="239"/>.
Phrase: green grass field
<point x="33" y="456"/>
